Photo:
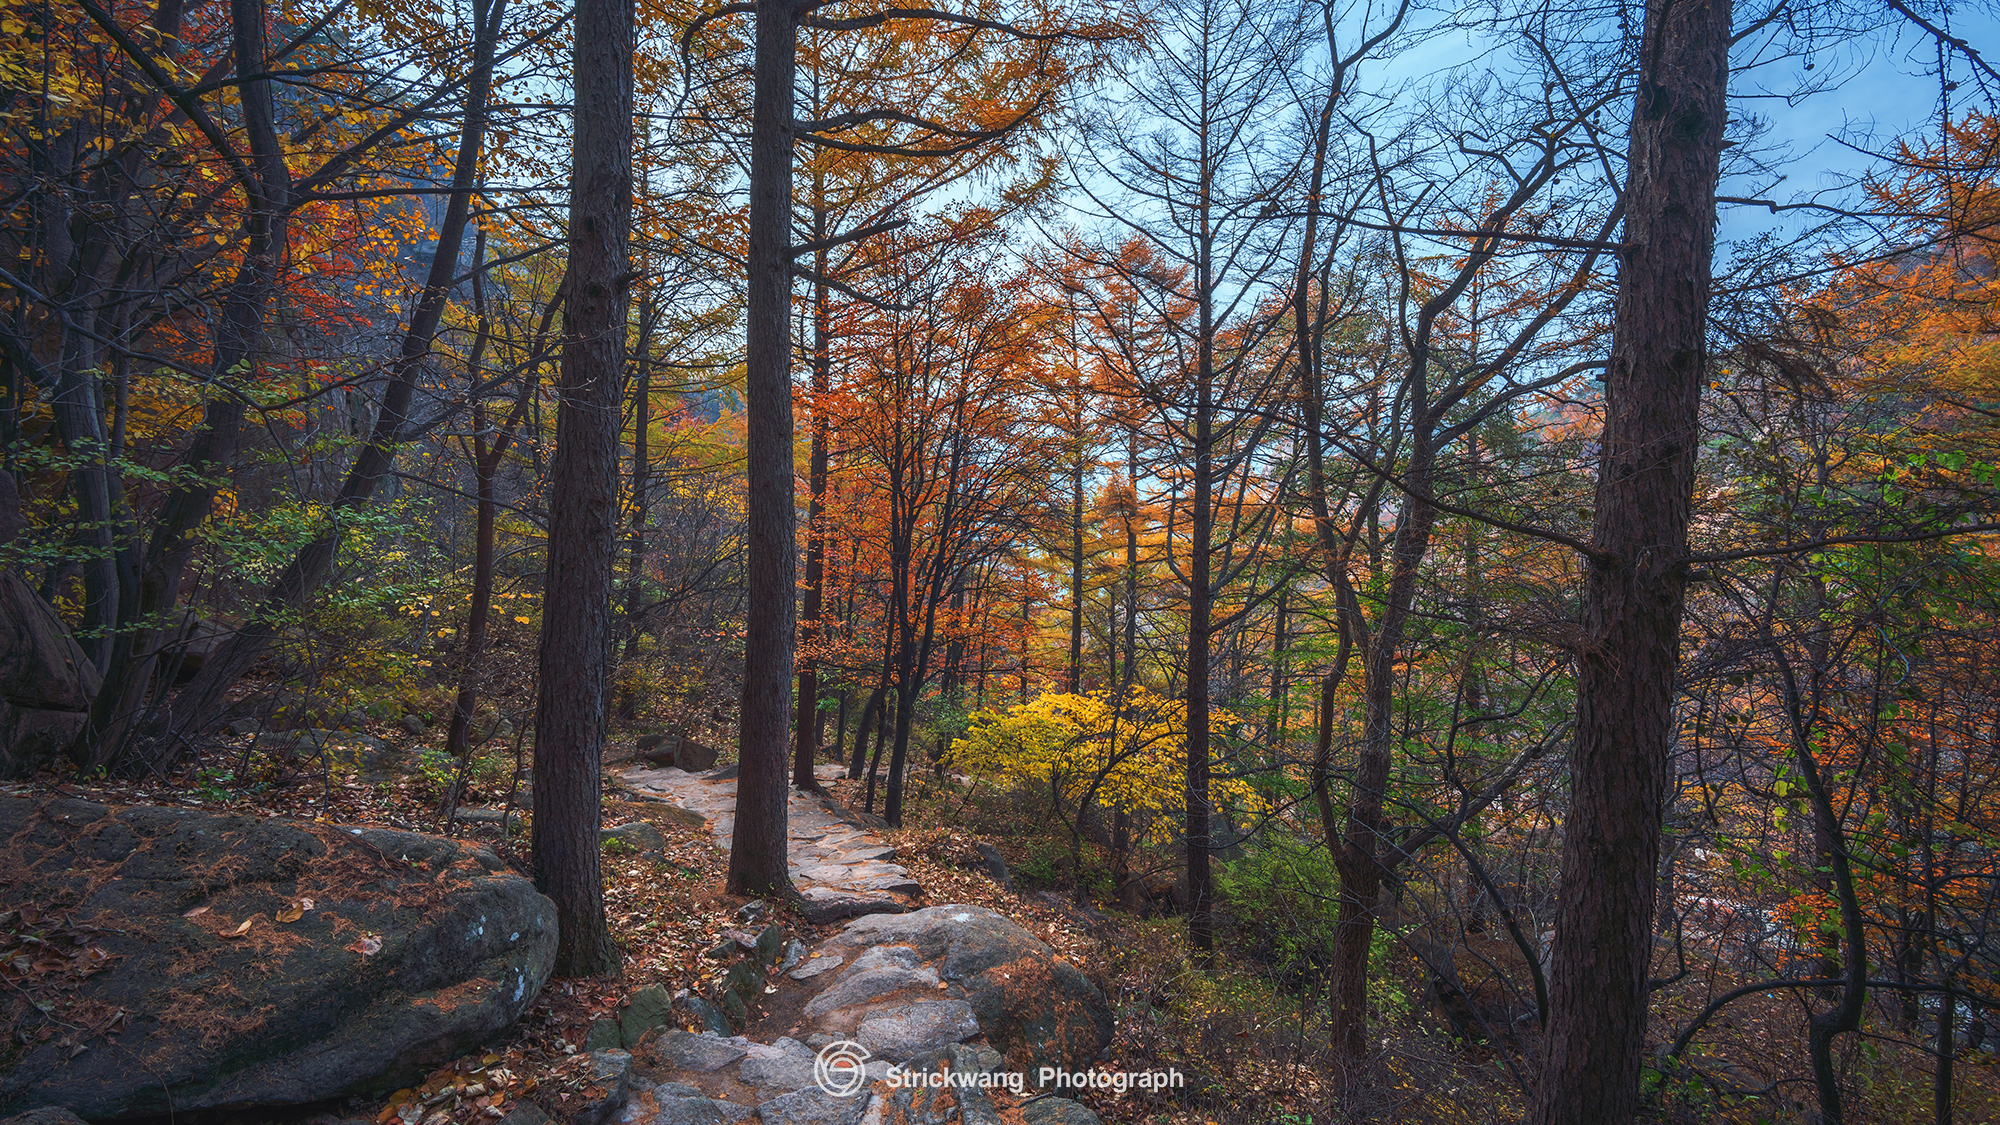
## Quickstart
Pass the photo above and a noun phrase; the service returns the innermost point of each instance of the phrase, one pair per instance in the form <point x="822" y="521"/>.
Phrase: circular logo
<point x="840" y="1068"/>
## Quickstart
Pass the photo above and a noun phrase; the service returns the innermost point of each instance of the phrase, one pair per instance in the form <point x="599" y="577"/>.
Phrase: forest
<point x="1463" y="540"/>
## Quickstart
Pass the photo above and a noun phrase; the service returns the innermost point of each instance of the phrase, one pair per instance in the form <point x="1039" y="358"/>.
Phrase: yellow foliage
<point x="1068" y="742"/>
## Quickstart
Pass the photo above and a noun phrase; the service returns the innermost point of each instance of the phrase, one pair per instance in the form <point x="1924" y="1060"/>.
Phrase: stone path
<point x="835" y="1037"/>
<point x="839" y="865"/>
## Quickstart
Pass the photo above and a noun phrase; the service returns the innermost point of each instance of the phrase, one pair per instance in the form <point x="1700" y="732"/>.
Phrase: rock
<point x="32" y="739"/>
<point x="241" y="727"/>
<point x="676" y="753"/>
<point x="413" y="725"/>
<point x="813" y="1106"/>
<point x="694" y="757"/>
<point x="823" y="905"/>
<point x="604" y="1034"/>
<point x="637" y="835"/>
<point x="288" y="1012"/>
<point x="526" y="1113"/>
<point x="752" y="912"/>
<point x="688" y="1110"/>
<point x="41" y="665"/>
<point x="46" y="681"/>
<point x="711" y="1017"/>
<point x="784" y="1065"/>
<point x="610" y="1079"/>
<point x="996" y="864"/>
<point x="47" y="1115"/>
<point x="726" y="773"/>
<point x="1057" y="1111"/>
<point x="815" y="965"/>
<point x="871" y="978"/>
<point x="770" y="947"/>
<point x="700" y="1053"/>
<point x="903" y="1033"/>
<point x="648" y="1008"/>
<point x="1038" y="1009"/>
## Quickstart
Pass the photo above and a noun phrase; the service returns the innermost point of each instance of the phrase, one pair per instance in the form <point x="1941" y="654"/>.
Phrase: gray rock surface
<point x="699" y="1053"/>
<point x="996" y="864"/>
<point x="1057" y="1111"/>
<point x="526" y="1113"/>
<point x="1038" y="1009"/>
<point x="905" y="1032"/>
<point x="416" y="948"/>
<point x="611" y="1074"/>
<point x="784" y="1065"/>
<point x="813" y="1106"/>
<point x="695" y="1110"/>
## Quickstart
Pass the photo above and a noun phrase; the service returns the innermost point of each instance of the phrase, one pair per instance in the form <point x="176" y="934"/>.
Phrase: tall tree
<point x="1200" y="185"/>
<point x="1637" y="582"/>
<point x="571" y="707"/>
<point x="758" y="860"/>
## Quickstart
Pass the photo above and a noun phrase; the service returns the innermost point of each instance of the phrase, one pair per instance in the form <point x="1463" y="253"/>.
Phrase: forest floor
<point x="1252" y="1043"/>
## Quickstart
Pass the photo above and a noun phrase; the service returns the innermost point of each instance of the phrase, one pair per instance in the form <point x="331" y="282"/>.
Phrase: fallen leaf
<point x="196" y="912"/>
<point x="242" y="929"/>
<point x="290" y="914"/>
<point x="368" y="945"/>
<point x="304" y="904"/>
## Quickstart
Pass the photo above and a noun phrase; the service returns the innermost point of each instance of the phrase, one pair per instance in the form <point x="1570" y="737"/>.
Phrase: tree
<point x="572" y="703"/>
<point x="758" y="851"/>
<point x="1637" y="581"/>
<point x="1202" y="190"/>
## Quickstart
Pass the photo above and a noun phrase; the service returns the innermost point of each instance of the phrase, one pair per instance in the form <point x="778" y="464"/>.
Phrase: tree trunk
<point x="635" y="539"/>
<point x="1637" y="580"/>
<point x="806" y="724"/>
<point x="757" y="853"/>
<point x="485" y="466"/>
<point x="575" y="653"/>
<point x="1196" y="808"/>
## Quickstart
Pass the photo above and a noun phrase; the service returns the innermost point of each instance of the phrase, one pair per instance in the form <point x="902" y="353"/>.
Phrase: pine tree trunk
<point x="575" y="653"/>
<point x="1637" y="580"/>
<point x="757" y="852"/>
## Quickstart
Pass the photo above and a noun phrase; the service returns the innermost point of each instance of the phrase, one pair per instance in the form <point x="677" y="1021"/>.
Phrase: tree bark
<point x="806" y="724"/>
<point x="1637" y="580"/>
<point x="642" y="465"/>
<point x="757" y="853"/>
<point x="571" y="707"/>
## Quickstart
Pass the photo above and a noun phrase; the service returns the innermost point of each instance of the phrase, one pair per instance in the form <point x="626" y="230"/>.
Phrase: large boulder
<point x="46" y="682"/>
<point x="230" y="961"/>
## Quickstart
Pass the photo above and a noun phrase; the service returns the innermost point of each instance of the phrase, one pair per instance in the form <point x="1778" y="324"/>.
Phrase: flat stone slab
<point x="904" y="1033"/>
<point x="841" y="870"/>
<point x="785" y="1065"/>
<point x="685" y="1051"/>
<point x="813" y="1107"/>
